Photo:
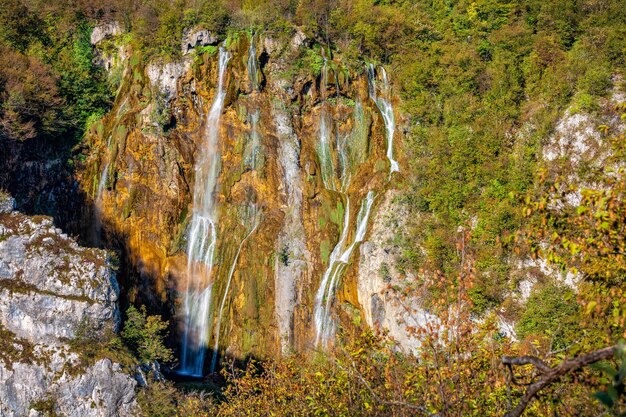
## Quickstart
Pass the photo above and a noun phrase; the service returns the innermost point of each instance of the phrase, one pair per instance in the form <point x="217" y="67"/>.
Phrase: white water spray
<point x="253" y="65"/>
<point x="341" y="253"/>
<point x="203" y="237"/>
<point x="339" y="259"/>
<point x="386" y="110"/>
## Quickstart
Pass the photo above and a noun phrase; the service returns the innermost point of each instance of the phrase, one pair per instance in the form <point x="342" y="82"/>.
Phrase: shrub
<point x="145" y="335"/>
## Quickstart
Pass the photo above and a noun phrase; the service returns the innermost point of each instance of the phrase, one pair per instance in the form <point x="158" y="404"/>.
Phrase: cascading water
<point x="341" y="253"/>
<point x="252" y="154"/>
<point x="203" y="237"/>
<point x="104" y="177"/>
<point x="253" y="157"/>
<point x="255" y="218"/>
<point x="326" y="159"/>
<point x="386" y="110"/>
<point x="337" y="263"/>
<point x="253" y="65"/>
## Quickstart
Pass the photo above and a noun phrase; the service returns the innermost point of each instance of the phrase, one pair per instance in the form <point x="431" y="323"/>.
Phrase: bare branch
<point x="551" y="375"/>
<point x="526" y="360"/>
<point x="375" y="396"/>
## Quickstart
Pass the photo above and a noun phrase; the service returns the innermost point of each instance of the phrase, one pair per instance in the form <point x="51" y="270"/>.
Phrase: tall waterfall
<point x="254" y="218"/>
<point x="104" y="177"/>
<point x="386" y="110"/>
<point x="325" y="155"/>
<point x="253" y="157"/>
<point x="203" y="237"/>
<point x="341" y="253"/>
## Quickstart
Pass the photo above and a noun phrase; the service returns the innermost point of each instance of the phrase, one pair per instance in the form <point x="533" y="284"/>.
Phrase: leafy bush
<point x="551" y="312"/>
<point x="145" y="335"/>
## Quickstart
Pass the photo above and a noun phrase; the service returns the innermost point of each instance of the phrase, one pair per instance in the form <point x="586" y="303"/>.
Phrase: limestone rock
<point x="105" y="30"/>
<point x="49" y="286"/>
<point x="298" y="39"/>
<point x="383" y="307"/>
<point x="164" y="76"/>
<point x="193" y="39"/>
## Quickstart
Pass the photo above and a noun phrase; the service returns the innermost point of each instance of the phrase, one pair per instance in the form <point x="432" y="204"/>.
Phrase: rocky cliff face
<point x="49" y="287"/>
<point x="304" y="151"/>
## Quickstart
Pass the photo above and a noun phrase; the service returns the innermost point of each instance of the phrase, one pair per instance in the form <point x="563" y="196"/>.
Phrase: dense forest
<point x="483" y="88"/>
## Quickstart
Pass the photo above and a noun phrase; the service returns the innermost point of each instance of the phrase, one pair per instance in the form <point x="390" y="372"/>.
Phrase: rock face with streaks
<point x="49" y="287"/>
<point x="303" y="151"/>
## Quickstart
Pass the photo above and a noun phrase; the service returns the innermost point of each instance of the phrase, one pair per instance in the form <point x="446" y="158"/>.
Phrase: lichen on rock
<point x="49" y="287"/>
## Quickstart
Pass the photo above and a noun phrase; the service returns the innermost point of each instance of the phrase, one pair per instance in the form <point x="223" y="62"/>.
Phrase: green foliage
<point x="49" y="85"/>
<point x="210" y="50"/>
<point x="17" y="25"/>
<point x="158" y="399"/>
<point x="144" y="335"/>
<point x="82" y="83"/>
<point x="551" y="312"/>
<point x="92" y="345"/>
<point x="612" y="397"/>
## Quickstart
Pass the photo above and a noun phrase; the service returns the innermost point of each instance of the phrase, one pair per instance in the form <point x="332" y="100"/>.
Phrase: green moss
<point x="46" y="406"/>
<point x="129" y="204"/>
<point x="91" y="346"/>
<point x="21" y="287"/>
<point x="324" y="250"/>
<point x="209" y="50"/>
<point x="380" y="165"/>
<point x="14" y="349"/>
<point x="336" y="215"/>
<point x="321" y="222"/>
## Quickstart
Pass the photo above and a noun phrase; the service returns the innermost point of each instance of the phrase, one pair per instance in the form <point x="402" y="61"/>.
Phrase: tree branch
<point x="550" y="375"/>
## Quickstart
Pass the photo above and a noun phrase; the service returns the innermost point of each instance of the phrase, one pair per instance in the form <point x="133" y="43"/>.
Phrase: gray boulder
<point x="50" y="287"/>
<point x="195" y="38"/>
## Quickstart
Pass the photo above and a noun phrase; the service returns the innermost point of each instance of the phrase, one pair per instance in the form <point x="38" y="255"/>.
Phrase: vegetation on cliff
<point x="482" y="85"/>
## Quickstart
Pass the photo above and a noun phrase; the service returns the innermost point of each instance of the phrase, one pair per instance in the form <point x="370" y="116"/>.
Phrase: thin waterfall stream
<point x="203" y="237"/>
<point x="341" y="253"/>
<point x="386" y="111"/>
<point x="231" y="272"/>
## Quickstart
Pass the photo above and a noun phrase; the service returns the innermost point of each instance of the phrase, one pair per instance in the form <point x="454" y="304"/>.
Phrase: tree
<point x="30" y="103"/>
<point x="145" y="335"/>
<point x="587" y="239"/>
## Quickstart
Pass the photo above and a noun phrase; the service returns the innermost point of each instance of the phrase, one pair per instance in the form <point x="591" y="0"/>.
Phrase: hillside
<point x="335" y="207"/>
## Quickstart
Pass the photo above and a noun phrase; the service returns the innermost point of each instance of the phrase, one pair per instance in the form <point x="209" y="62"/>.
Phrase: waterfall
<point x="386" y="110"/>
<point x="339" y="259"/>
<point x="104" y="177"/>
<point x="255" y="224"/>
<point x="341" y="253"/>
<point x="252" y="154"/>
<point x="203" y="237"/>
<point x="326" y="159"/>
<point x="253" y="64"/>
